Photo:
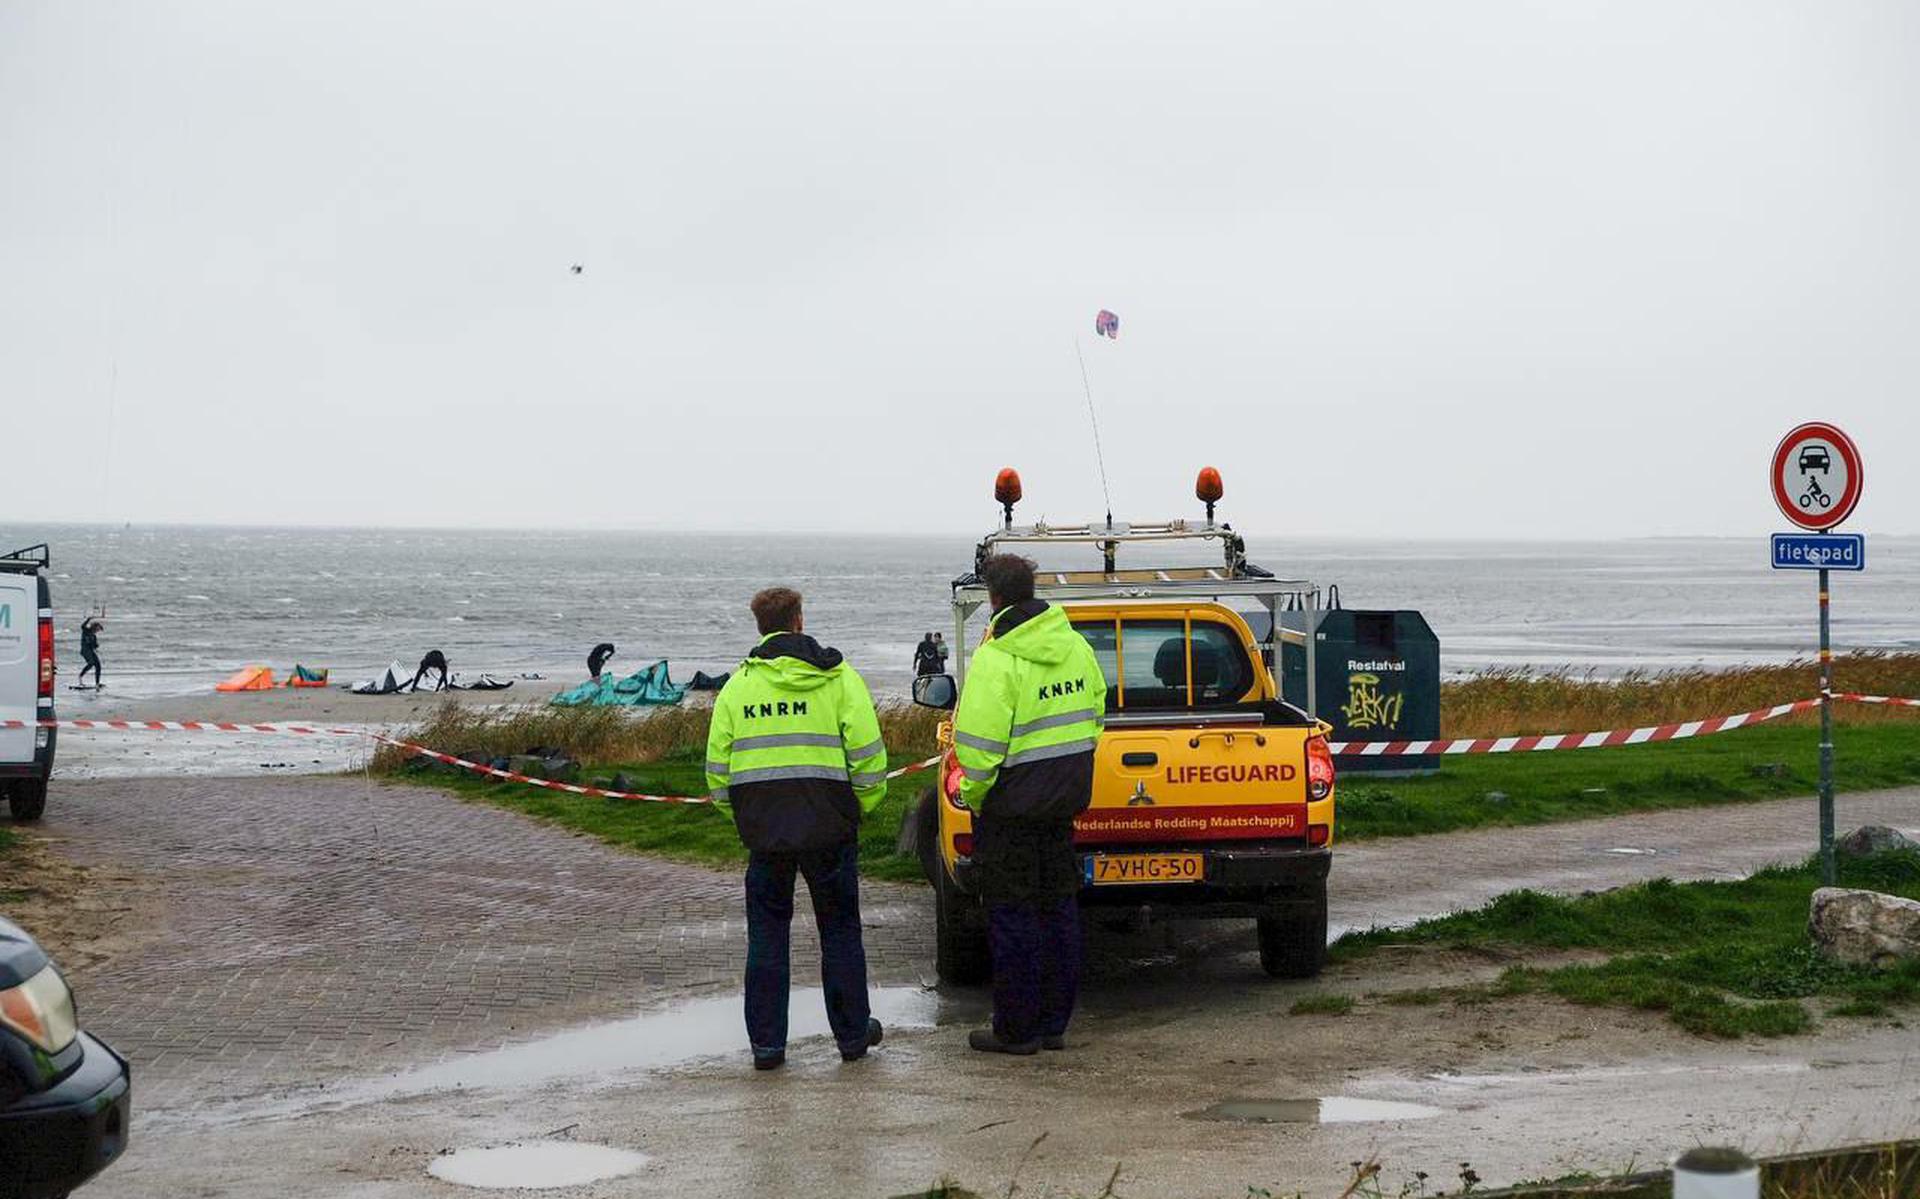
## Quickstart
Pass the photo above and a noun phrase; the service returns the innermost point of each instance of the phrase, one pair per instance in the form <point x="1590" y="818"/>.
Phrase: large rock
<point x="1871" y="839"/>
<point x="1865" y="928"/>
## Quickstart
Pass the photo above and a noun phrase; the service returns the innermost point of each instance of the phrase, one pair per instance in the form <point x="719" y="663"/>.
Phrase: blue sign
<point x="1819" y="551"/>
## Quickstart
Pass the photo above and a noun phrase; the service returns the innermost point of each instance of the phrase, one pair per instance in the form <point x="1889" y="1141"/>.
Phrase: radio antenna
<point x="1093" y="418"/>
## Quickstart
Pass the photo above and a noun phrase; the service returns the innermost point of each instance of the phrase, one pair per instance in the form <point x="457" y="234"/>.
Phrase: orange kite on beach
<point x="248" y="678"/>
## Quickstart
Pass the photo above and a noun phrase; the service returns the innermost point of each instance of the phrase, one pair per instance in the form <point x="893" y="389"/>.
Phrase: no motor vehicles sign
<point x="1816" y="481"/>
<point x="1817" y="476"/>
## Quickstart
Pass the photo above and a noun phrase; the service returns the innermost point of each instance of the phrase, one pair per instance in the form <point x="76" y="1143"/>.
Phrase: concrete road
<point x="338" y="980"/>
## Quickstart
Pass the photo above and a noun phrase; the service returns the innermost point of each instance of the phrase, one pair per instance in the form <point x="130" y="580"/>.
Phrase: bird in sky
<point x="577" y="268"/>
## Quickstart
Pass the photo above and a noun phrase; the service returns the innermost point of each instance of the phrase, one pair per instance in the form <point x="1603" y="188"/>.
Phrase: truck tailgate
<point x="1177" y="785"/>
<point x="19" y="663"/>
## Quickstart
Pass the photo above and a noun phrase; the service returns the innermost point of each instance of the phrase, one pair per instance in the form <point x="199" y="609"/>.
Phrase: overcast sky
<point x="1409" y="269"/>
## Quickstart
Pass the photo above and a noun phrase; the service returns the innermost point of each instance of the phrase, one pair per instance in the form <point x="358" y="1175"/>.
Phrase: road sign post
<point x="1828" y="871"/>
<point x="1817" y="478"/>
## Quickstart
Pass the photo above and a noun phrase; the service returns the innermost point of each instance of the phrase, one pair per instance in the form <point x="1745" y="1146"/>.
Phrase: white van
<point x="26" y="681"/>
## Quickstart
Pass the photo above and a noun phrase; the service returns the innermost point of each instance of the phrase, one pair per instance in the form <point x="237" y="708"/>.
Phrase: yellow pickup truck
<point x="1211" y="797"/>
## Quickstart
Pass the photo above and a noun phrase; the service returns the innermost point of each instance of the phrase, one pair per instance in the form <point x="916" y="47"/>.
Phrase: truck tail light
<point x="1318" y="834"/>
<point x="46" y="657"/>
<point x="1319" y="768"/>
<point x="950" y="782"/>
<point x="963" y="845"/>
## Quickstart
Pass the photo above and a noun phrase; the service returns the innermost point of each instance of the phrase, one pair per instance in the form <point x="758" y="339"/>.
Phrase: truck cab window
<point x="1146" y="663"/>
<point x="1104" y="637"/>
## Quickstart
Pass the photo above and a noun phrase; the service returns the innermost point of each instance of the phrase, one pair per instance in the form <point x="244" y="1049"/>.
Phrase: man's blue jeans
<point x="833" y="880"/>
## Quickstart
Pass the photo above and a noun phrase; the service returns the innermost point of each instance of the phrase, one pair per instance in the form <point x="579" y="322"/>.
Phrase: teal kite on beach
<point x="643" y="688"/>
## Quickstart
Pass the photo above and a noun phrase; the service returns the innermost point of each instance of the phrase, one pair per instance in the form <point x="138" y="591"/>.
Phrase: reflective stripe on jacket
<point x="794" y="751"/>
<point x="1030" y="717"/>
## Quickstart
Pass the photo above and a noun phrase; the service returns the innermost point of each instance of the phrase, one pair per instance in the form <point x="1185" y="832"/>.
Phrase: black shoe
<point x="770" y="1061"/>
<point x="874" y="1033"/>
<point x="987" y="1041"/>
<point x="1057" y="1041"/>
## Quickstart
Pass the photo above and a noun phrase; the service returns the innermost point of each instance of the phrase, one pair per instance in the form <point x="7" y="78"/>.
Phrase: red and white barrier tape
<point x="307" y="730"/>
<point x="1640" y="736"/>
<point x="1514" y="745"/>
<point x="183" y="726"/>
<point x="1850" y="697"/>
<point x="510" y="776"/>
<point x="1457" y="745"/>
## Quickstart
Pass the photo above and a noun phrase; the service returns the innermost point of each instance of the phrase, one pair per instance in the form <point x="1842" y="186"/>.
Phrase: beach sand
<point x="328" y="705"/>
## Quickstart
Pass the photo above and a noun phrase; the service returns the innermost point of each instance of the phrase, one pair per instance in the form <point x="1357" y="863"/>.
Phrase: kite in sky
<point x="1107" y="325"/>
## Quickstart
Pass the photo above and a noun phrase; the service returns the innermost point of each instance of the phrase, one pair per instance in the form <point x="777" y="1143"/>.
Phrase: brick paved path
<point x="308" y="926"/>
<point x="317" y="923"/>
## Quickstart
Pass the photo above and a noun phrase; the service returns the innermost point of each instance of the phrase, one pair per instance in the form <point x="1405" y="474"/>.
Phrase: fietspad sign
<point x="1819" y="551"/>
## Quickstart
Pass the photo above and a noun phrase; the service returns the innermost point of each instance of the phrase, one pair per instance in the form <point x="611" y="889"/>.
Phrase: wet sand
<point x="333" y="705"/>
<point x="1526" y="1088"/>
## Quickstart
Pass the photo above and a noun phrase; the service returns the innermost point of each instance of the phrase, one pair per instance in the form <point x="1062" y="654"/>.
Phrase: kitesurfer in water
<point x="90" y="648"/>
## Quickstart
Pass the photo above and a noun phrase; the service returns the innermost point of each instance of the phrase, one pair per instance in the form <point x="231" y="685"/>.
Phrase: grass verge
<point x="662" y="752"/>
<point x="1724" y="959"/>
<point x="1764" y="762"/>
<point x="1322" y="1005"/>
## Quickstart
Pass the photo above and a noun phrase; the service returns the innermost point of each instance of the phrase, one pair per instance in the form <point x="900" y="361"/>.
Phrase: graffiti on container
<point x="1367" y="707"/>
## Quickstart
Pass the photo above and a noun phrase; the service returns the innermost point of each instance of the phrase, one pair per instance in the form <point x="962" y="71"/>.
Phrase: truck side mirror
<point x="935" y="691"/>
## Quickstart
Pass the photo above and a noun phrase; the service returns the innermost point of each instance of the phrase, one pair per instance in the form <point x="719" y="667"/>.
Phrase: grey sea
<point x="188" y="605"/>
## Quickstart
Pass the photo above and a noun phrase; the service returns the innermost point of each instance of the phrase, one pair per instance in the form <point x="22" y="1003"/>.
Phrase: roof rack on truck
<point x="1234" y="579"/>
<point x="27" y="560"/>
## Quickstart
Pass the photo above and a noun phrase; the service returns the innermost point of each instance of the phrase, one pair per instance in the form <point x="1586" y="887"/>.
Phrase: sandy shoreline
<point x="104" y="753"/>
<point x="310" y="704"/>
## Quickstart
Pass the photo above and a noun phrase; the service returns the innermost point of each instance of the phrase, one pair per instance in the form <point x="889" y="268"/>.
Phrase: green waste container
<point x="1377" y="678"/>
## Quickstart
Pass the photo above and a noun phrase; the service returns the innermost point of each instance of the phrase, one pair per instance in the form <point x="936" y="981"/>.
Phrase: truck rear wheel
<point x="960" y="952"/>
<point x="1293" y="940"/>
<point x="26" y="800"/>
<point x="922" y="824"/>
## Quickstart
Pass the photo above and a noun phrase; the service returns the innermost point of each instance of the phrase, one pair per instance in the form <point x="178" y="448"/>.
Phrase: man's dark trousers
<point x="1030" y="877"/>
<point x="1036" y="966"/>
<point x="833" y="880"/>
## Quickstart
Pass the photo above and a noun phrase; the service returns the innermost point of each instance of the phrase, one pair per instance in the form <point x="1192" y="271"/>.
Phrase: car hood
<point x="20" y="955"/>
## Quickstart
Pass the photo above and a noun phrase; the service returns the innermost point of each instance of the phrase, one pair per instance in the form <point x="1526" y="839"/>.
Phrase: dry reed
<point x="1494" y="703"/>
<point x="1509" y="701"/>
<point x="605" y="736"/>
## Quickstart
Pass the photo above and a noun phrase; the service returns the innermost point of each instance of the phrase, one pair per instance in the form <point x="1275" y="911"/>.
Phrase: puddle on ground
<point x="1330" y="1109"/>
<point x="658" y="1040"/>
<point x="1594" y="1074"/>
<point x="676" y="1036"/>
<point x="1633" y="852"/>
<point x="535" y="1165"/>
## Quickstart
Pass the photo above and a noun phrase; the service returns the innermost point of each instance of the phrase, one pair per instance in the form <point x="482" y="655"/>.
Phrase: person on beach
<point x="90" y="648"/>
<point x="939" y="653"/>
<point x="794" y="756"/>
<point x="923" y="657"/>
<point x="435" y="660"/>
<point x="1024" y="735"/>
<point x="597" y="660"/>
